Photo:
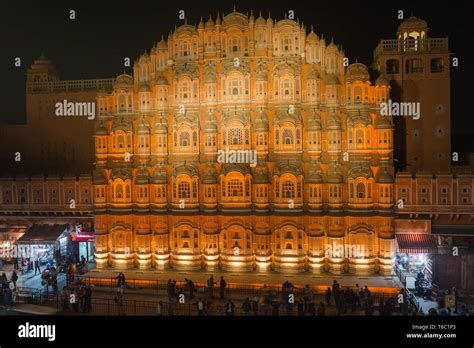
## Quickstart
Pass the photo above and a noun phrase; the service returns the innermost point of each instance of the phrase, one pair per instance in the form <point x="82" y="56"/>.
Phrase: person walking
<point x="120" y="281"/>
<point x="201" y="307"/>
<point x="229" y="308"/>
<point x="222" y="285"/>
<point x="300" y="307"/>
<point x="328" y="296"/>
<point x="275" y="307"/>
<point x="190" y="287"/>
<point x="255" y="306"/>
<point x="14" y="278"/>
<point x="159" y="308"/>
<point x="210" y="286"/>
<point x="119" y="302"/>
<point x="37" y="265"/>
<point x="246" y="306"/>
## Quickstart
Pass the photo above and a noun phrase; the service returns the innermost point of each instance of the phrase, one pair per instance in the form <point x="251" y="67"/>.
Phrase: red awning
<point x="417" y="243"/>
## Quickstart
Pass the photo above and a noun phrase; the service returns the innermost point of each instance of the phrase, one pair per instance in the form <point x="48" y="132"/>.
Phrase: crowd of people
<point x="76" y="298"/>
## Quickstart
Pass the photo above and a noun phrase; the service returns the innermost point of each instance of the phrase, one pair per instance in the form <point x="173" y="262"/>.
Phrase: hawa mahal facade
<point x="323" y="176"/>
<point x="148" y="170"/>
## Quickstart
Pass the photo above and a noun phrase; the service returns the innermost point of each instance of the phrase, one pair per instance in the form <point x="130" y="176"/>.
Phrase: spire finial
<point x="234" y="7"/>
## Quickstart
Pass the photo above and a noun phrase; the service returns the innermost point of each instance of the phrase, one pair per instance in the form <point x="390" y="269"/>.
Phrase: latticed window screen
<point x="234" y="136"/>
<point x="360" y="190"/>
<point x="287" y="136"/>
<point x="288" y="189"/>
<point x="184" y="139"/>
<point x="184" y="189"/>
<point x="235" y="188"/>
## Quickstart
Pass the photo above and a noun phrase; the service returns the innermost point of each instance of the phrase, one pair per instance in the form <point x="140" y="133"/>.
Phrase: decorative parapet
<point x="69" y="85"/>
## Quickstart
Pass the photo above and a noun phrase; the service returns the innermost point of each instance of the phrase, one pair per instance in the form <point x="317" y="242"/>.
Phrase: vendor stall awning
<point x="39" y="233"/>
<point x="417" y="243"/>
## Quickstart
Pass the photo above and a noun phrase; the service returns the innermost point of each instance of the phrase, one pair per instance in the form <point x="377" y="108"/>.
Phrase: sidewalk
<point x="377" y="284"/>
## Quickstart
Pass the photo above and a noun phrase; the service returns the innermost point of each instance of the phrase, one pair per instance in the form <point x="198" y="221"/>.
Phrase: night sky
<point x="104" y="32"/>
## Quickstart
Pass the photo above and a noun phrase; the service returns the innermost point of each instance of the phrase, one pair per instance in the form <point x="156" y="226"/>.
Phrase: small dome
<point x="210" y="25"/>
<point x="314" y="174"/>
<point x="331" y="47"/>
<point x="161" y="126"/>
<point x="121" y="123"/>
<point x="384" y="176"/>
<point x="314" y="121"/>
<point x="260" y="20"/>
<point x="42" y="63"/>
<point x="334" y="176"/>
<point x="98" y="178"/>
<point x="144" y="88"/>
<point x="159" y="175"/>
<point x="210" y="124"/>
<point x="313" y="75"/>
<point x="412" y="23"/>
<point x="123" y="80"/>
<point x="161" y="81"/>
<point x="209" y="175"/>
<point x="143" y="126"/>
<point x="382" y="81"/>
<point x="383" y="122"/>
<point x="162" y="44"/>
<point x="261" y="123"/>
<point x="357" y="72"/>
<point x="142" y="176"/>
<point x="334" y="122"/>
<point x="312" y="37"/>
<point x="332" y="80"/>
<point x="100" y="129"/>
<point x="260" y="174"/>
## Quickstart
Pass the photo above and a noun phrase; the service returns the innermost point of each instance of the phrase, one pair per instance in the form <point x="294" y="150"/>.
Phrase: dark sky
<point x="105" y="32"/>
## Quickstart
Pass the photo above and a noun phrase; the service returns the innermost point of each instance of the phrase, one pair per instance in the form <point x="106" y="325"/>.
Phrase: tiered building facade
<point x="317" y="172"/>
<point x="323" y="174"/>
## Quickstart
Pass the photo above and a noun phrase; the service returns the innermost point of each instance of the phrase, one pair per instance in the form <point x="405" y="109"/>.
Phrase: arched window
<point x="184" y="189"/>
<point x="120" y="141"/>
<point x="185" y="49"/>
<point x="287" y="136"/>
<point x="286" y="43"/>
<point x="184" y="139"/>
<point x="235" y="188"/>
<point x="288" y="189"/>
<point x="235" y="86"/>
<point x="235" y="45"/>
<point x="234" y="136"/>
<point x="184" y="90"/>
<point x="119" y="191"/>
<point x="360" y="190"/>
<point x="286" y="88"/>
<point x="359" y="138"/>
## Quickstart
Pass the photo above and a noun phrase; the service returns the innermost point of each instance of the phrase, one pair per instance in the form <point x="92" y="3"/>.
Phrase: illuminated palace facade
<point x="323" y="176"/>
